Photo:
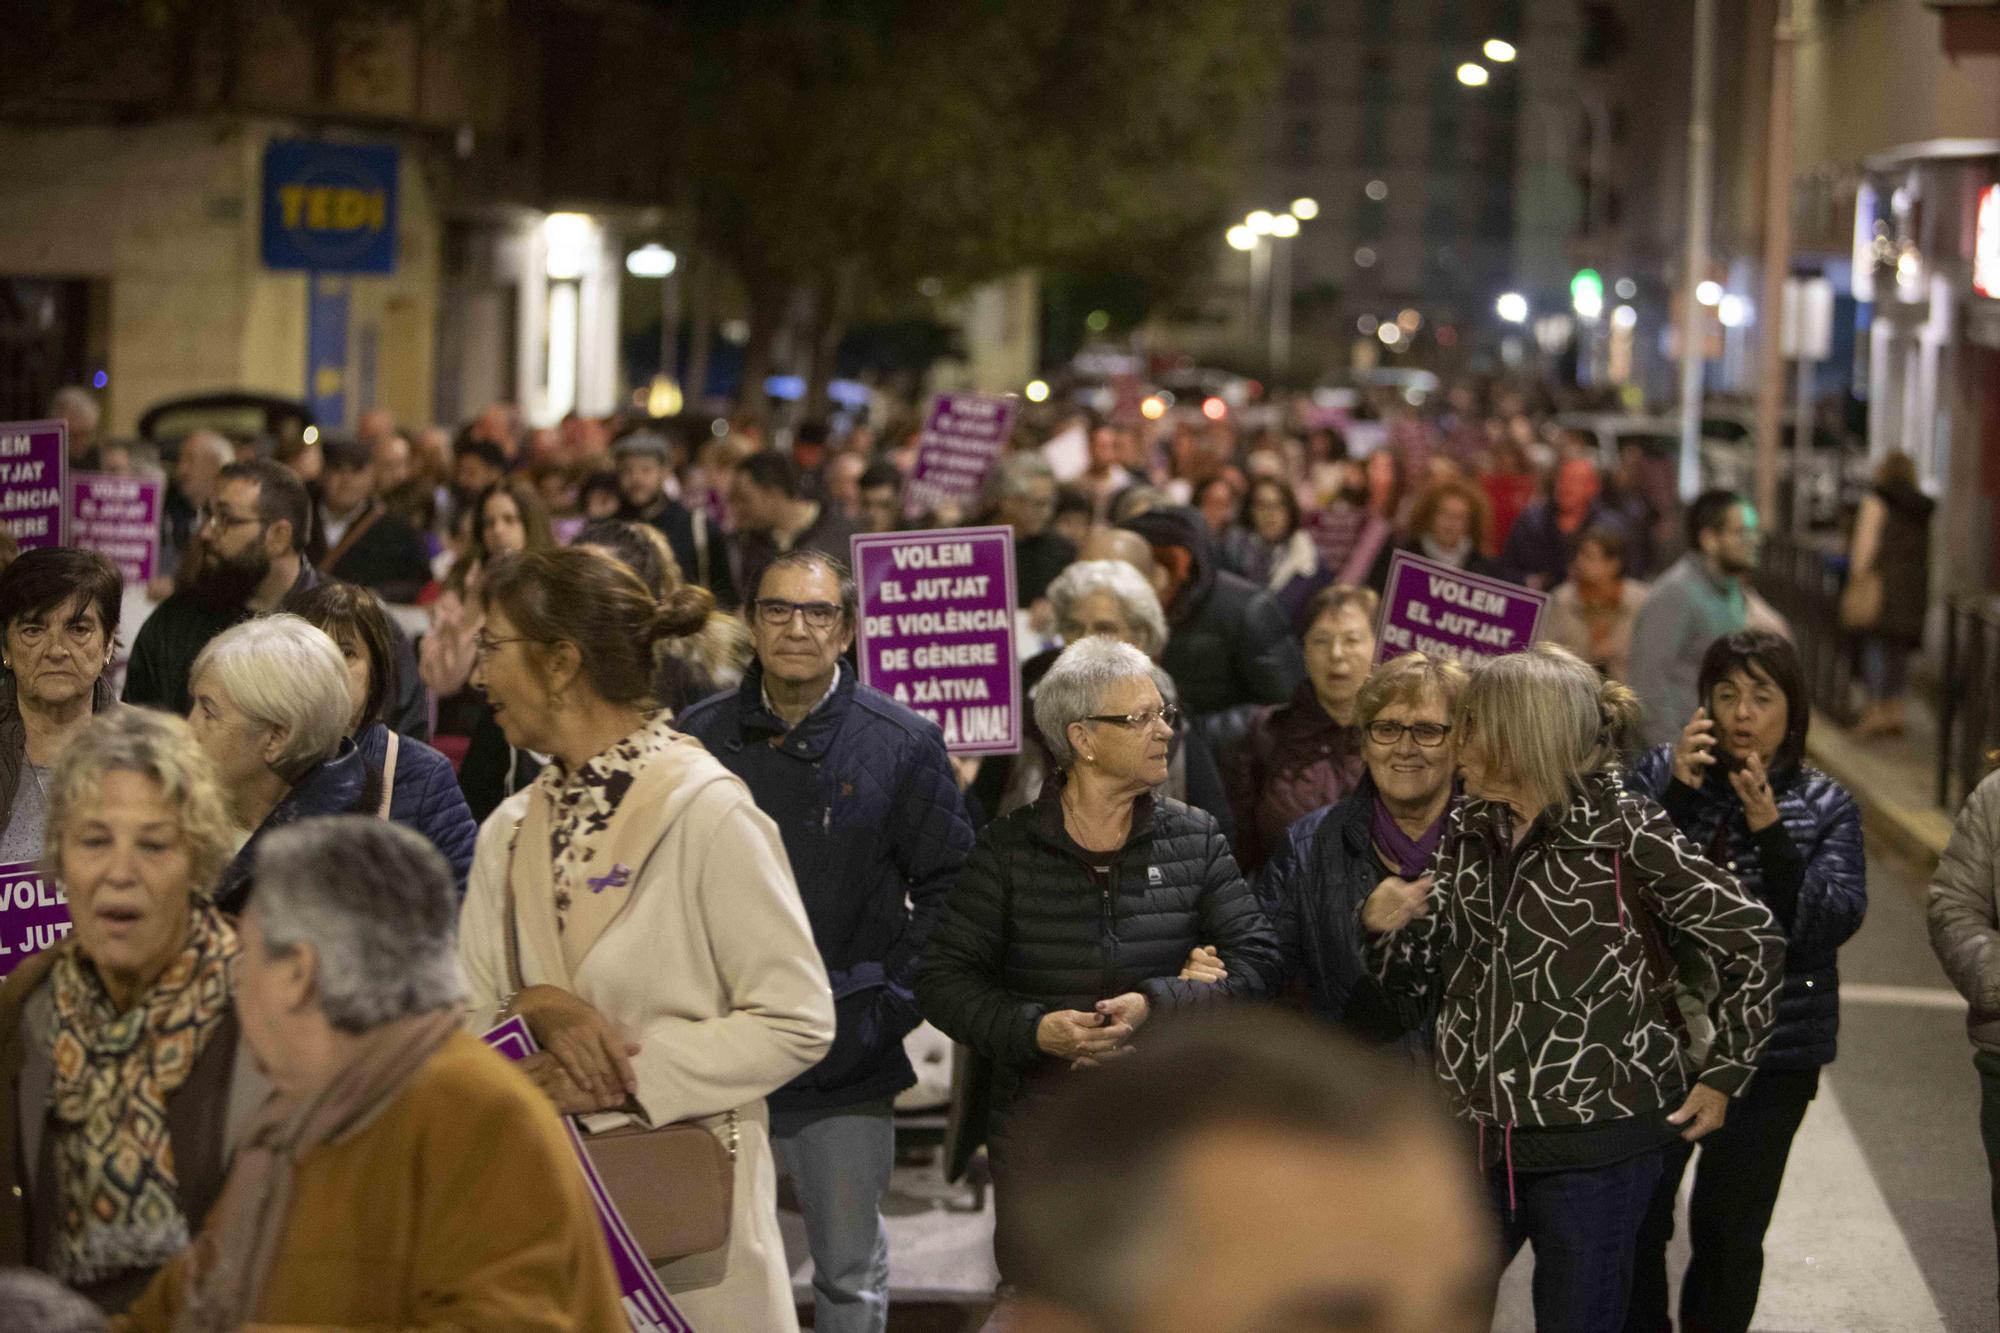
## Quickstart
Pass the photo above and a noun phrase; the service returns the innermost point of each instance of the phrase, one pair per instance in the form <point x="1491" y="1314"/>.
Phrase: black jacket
<point x="1312" y="890"/>
<point x="1228" y="642"/>
<point x="164" y="649"/>
<point x="1808" y="868"/>
<point x="1027" y="931"/>
<point x="342" y="785"/>
<point x="698" y="547"/>
<point x="863" y="794"/>
<point x="1538" y="551"/>
<point x="1549" y="1010"/>
<point x="1476" y="563"/>
<point x="387" y="556"/>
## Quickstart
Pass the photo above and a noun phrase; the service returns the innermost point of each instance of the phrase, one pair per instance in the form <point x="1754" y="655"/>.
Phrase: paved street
<point x="1883" y="1226"/>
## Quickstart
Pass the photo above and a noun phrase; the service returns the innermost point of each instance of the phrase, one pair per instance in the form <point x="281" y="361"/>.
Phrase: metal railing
<point x="1968" y="695"/>
<point x="1802" y="583"/>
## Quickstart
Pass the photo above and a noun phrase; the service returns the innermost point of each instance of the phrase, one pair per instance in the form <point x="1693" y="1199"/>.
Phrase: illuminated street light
<point x="1626" y="289"/>
<point x="651" y="261"/>
<point x="1377" y="190"/>
<point x="1625" y="317"/>
<point x="1473" y="75"/>
<point x="1260" y="221"/>
<point x="1389" y="334"/>
<point x="1586" y="293"/>
<point x="1512" y="307"/>
<point x="1284" y="225"/>
<point x="1153" y="408"/>
<point x="1214" y="409"/>
<point x="1242" y="238"/>
<point x="567" y="239"/>
<point x="1733" y="311"/>
<point x="1499" y="52"/>
<point x="1409" y="321"/>
<point x="1305" y="210"/>
<point x="1037" y="391"/>
<point x="1708" y="293"/>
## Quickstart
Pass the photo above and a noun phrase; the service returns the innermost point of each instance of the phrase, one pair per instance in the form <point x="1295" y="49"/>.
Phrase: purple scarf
<point x="1408" y="857"/>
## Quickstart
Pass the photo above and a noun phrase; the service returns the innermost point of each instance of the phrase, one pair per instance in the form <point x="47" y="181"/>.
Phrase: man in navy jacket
<point x="863" y="793"/>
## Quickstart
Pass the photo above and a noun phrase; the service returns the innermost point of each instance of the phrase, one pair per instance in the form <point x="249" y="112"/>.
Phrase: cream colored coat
<point x="711" y="969"/>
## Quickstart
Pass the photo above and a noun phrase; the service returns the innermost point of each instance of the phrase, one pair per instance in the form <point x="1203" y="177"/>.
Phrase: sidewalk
<point x="1893" y="780"/>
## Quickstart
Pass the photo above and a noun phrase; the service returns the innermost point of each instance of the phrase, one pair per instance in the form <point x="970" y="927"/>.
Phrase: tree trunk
<point x="833" y="301"/>
<point x="768" y="308"/>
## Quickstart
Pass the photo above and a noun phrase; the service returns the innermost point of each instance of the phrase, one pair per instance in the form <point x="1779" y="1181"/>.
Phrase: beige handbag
<point x="675" y="1185"/>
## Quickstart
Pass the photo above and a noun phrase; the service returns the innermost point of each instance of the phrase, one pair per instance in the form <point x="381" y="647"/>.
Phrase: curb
<point x="1914" y="831"/>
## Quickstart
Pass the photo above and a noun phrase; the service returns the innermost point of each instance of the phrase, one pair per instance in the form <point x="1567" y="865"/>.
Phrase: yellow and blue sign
<point x="330" y="207"/>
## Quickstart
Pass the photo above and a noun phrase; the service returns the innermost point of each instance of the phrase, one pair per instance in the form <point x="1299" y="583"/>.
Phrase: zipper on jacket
<point x="1107" y="925"/>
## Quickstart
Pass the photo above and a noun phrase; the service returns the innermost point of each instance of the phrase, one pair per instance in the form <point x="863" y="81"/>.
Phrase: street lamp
<point x="1241" y="237"/>
<point x="1284" y="226"/>
<point x="1473" y="75"/>
<point x="1512" y="307"/>
<point x="1260" y="221"/>
<point x="651" y="261"/>
<point x="1708" y="293"/>
<point x="1305" y="210"/>
<point x="1500" y="52"/>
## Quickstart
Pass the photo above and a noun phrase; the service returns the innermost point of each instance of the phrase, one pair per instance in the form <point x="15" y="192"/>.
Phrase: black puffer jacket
<point x="1229" y="644"/>
<point x="346" y="784"/>
<point x="1808" y="868"/>
<point x="1026" y="932"/>
<point x="1313" y="889"/>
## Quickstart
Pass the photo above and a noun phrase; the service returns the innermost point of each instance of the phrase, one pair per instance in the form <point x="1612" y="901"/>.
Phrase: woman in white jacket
<point x="667" y="969"/>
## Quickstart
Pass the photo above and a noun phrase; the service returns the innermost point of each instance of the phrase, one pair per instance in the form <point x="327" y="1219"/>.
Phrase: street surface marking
<point x="1914" y="997"/>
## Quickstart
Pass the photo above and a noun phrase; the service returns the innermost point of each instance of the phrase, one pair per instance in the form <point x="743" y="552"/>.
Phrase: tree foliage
<point x="836" y="143"/>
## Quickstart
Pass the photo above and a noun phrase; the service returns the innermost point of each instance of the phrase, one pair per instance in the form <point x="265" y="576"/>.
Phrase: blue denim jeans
<point x="839" y="1162"/>
<point x="1584" y="1227"/>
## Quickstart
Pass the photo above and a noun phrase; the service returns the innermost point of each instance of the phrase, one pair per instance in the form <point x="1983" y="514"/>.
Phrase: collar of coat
<point x="1584" y="821"/>
<point x="814" y="733"/>
<point x="1048" y="820"/>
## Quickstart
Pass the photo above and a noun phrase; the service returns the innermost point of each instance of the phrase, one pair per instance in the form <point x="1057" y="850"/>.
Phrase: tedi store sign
<point x="330" y="207"/>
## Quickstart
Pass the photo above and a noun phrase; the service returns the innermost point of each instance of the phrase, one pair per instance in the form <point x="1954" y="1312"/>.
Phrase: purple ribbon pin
<point x="620" y="876"/>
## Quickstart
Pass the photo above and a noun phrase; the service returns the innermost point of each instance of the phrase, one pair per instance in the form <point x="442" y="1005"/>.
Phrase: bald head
<point x="1118" y="544"/>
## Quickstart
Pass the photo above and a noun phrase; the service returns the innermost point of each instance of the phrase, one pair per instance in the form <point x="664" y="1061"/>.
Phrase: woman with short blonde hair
<point x="118" y="1044"/>
<point x="1534" y="931"/>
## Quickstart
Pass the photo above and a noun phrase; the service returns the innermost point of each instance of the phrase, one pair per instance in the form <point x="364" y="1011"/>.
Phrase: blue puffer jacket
<point x="346" y="784"/>
<point x="1808" y="868"/>
<point x="425" y="797"/>
<point x="863" y="794"/>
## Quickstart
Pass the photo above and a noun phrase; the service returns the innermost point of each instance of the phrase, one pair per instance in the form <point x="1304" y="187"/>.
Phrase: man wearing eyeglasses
<point x="246" y="558"/>
<point x="863" y="795"/>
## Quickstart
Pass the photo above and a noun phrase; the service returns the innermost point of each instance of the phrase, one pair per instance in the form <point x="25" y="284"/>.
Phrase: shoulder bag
<point x="674" y="1185"/>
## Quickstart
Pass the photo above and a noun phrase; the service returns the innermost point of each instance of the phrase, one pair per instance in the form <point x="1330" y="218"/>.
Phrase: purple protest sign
<point x="646" y="1301"/>
<point x="34" y="474"/>
<point x="118" y="517"/>
<point x="937" y="631"/>
<point x="963" y="437"/>
<point x="1433" y="608"/>
<point x="34" y="914"/>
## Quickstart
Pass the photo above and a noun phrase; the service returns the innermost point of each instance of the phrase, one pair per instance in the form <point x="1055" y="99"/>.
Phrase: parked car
<point x="238" y="415"/>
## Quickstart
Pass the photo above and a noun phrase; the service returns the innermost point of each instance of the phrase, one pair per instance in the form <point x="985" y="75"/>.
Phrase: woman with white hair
<point x="1537" y="928"/>
<point x="271" y="706"/>
<point x="1069" y="926"/>
<point x="403" y="1174"/>
<point x="1111" y="599"/>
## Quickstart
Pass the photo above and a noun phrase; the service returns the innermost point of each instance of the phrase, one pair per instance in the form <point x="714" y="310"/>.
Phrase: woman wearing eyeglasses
<point x="1333" y="859"/>
<point x="1067" y="930"/>
<point x="661" y="955"/>
<point x="1305" y="755"/>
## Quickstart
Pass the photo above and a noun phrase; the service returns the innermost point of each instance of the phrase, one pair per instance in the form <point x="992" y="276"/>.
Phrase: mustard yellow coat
<point x="461" y="1207"/>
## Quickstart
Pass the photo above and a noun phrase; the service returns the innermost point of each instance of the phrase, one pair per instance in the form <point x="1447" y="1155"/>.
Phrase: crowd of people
<point x="563" y="725"/>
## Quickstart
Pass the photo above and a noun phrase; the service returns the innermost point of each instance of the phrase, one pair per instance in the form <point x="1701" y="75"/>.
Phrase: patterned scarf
<point x="582" y="804"/>
<point x="114" y="1074"/>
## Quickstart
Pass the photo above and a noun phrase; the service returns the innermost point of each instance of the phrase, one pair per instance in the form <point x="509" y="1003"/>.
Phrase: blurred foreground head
<point x="1248" y="1172"/>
